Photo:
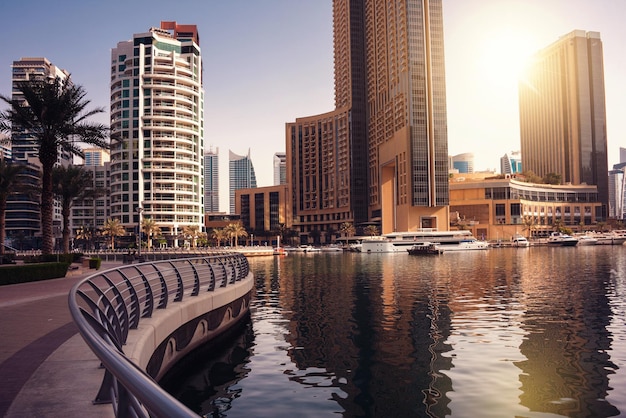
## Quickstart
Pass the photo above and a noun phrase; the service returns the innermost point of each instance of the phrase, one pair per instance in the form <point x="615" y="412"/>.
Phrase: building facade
<point x="500" y="208"/>
<point x="382" y="155"/>
<point x="157" y="102"/>
<point x="211" y="181"/>
<point x="90" y="213"/>
<point x="264" y="211"/>
<point x="563" y="115"/>
<point x="96" y="156"/>
<point x="241" y="175"/>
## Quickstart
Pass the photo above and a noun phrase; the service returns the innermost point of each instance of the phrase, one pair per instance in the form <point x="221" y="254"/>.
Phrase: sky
<point x="269" y="62"/>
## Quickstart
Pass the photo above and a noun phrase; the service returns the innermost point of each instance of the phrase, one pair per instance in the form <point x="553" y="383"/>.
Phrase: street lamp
<point x="139" y="209"/>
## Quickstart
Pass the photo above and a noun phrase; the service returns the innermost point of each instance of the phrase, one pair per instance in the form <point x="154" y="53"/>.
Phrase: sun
<point x="502" y="58"/>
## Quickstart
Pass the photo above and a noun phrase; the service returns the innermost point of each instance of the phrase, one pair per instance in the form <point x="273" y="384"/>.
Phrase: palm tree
<point x="371" y="230"/>
<point x="113" y="228"/>
<point x="54" y="114"/>
<point x="191" y="232"/>
<point x="347" y="228"/>
<point x="85" y="233"/>
<point x="529" y="225"/>
<point x="219" y="235"/>
<point x="9" y="184"/>
<point x="151" y="229"/>
<point x="70" y="184"/>
<point x="235" y="231"/>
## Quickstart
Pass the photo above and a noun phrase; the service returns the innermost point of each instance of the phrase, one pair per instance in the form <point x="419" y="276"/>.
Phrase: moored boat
<point x="562" y="240"/>
<point x="464" y="245"/>
<point x="424" y="248"/>
<point x="586" y="240"/>
<point x="332" y="249"/>
<point x="520" y="241"/>
<point x="611" y="238"/>
<point x="402" y="241"/>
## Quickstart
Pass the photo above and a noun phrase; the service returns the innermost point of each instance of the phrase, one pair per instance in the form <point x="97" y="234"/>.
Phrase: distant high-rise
<point x="382" y="155"/>
<point x="157" y="102"/>
<point x="622" y="155"/>
<point x="617" y="192"/>
<point x="511" y="163"/>
<point x="280" y="168"/>
<point x="96" y="156"/>
<point x="464" y="163"/>
<point x="32" y="69"/>
<point x="241" y="175"/>
<point x="23" y="217"/>
<point x="211" y="181"/>
<point x="563" y="116"/>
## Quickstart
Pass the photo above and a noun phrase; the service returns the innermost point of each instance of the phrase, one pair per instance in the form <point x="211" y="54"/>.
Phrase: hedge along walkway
<point x="23" y="273"/>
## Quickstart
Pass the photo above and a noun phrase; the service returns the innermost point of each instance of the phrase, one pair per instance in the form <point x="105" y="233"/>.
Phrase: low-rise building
<point x="499" y="208"/>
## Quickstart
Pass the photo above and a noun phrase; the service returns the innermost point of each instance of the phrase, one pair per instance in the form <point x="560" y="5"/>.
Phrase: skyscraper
<point x="562" y="113"/>
<point x="157" y="102"/>
<point x="463" y="162"/>
<point x="382" y="155"/>
<point x="511" y="163"/>
<point x="617" y="192"/>
<point x="280" y="168"/>
<point x="211" y="181"/>
<point x="241" y="175"/>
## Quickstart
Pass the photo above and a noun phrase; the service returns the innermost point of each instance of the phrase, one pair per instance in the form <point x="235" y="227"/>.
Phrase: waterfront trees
<point x="9" y="184"/>
<point x="371" y="230"/>
<point x="236" y="231"/>
<point x="347" y="229"/>
<point x="191" y="232"/>
<point x="70" y="184"/>
<point x="54" y="114"/>
<point x="151" y="229"/>
<point x="219" y="235"/>
<point x="113" y="228"/>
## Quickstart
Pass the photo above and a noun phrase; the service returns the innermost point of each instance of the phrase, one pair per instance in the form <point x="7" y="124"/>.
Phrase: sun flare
<point x="503" y="57"/>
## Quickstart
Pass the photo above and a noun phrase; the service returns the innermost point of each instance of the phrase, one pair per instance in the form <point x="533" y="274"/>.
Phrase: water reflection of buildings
<point x="381" y="340"/>
<point x="567" y="342"/>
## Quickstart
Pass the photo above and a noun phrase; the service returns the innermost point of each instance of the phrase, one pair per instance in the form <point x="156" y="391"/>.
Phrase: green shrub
<point x="8" y="258"/>
<point x="32" y="272"/>
<point x="53" y="258"/>
<point x="94" y="263"/>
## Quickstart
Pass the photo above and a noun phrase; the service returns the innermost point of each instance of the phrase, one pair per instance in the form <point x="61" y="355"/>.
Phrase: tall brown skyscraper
<point x="563" y="115"/>
<point x="382" y="155"/>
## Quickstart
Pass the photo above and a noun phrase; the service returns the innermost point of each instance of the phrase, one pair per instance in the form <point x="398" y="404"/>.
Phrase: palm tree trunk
<point x="47" y="209"/>
<point x="65" y="213"/>
<point x="3" y="224"/>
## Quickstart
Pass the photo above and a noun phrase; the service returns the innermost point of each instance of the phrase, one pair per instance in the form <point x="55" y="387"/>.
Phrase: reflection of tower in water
<point x="567" y="336"/>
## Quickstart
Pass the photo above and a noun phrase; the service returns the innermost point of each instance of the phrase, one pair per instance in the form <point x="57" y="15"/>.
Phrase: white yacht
<point x="520" y="241"/>
<point x="561" y="239"/>
<point x="464" y="245"/>
<point x="611" y="238"/>
<point x="586" y="240"/>
<point x="402" y="241"/>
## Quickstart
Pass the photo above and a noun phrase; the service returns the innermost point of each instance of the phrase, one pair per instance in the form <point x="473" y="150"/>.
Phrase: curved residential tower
<point x="157" y="115"/>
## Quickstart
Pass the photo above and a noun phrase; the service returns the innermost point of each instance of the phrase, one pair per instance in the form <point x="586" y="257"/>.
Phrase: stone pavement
<point x="46" y="369"/>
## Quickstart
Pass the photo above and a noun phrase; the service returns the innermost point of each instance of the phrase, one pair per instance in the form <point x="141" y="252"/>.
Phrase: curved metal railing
<point x="107" y="305"/>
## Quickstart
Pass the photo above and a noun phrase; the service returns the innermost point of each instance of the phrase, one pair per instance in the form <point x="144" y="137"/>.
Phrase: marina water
<point x="508" y="332"/>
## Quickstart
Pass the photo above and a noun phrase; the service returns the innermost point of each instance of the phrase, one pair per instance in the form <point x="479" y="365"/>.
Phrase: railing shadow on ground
<point x="107" y="305"/>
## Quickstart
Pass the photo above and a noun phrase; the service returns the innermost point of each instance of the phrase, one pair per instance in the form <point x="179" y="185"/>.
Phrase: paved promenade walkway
<point x="46" y="369"/>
